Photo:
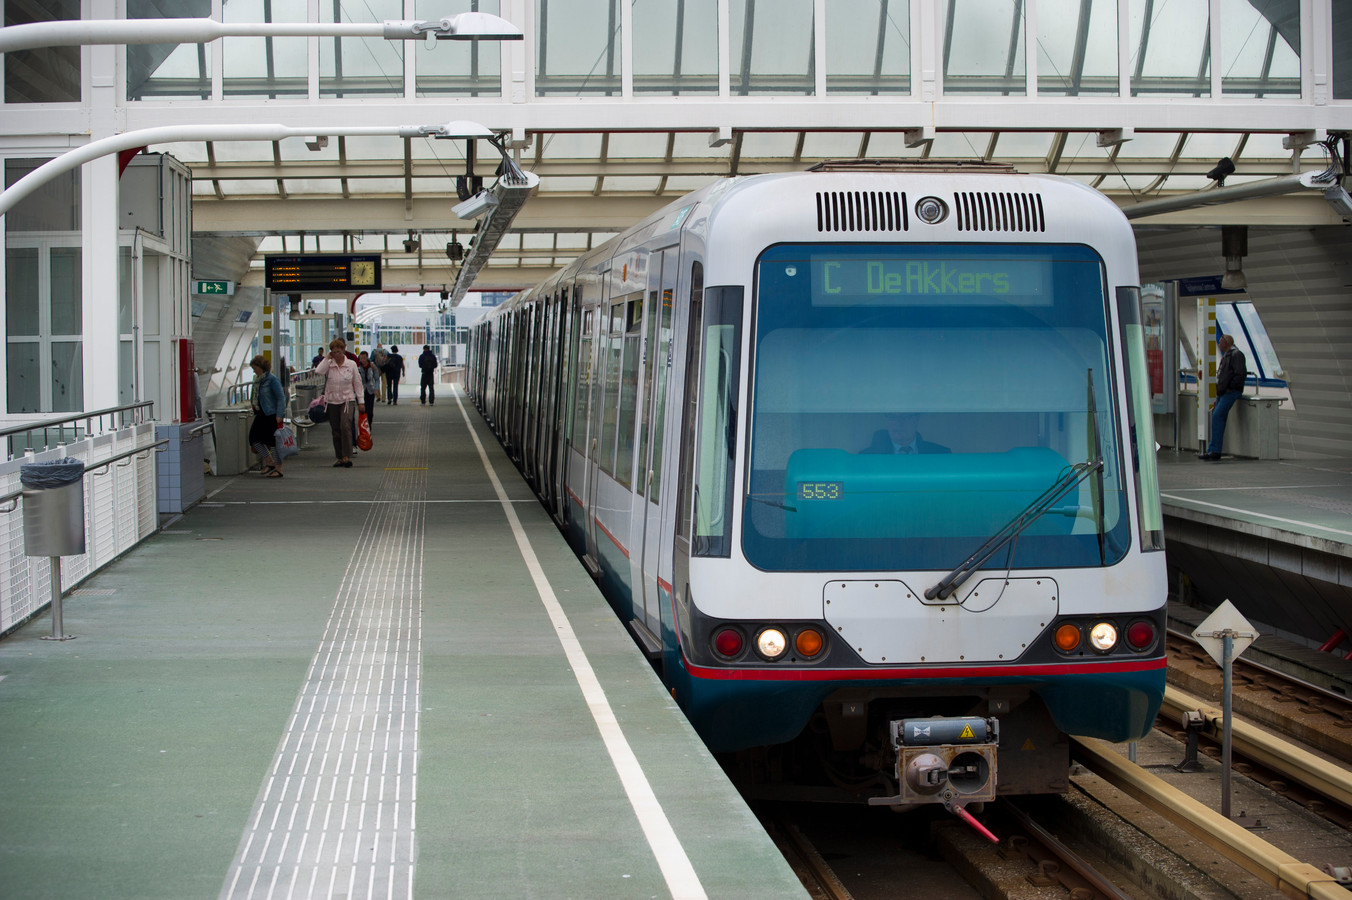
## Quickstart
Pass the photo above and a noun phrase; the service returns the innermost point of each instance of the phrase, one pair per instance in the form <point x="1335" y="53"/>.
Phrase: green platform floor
<point x="139" y="758"/>
<point x="1302" y="502"/>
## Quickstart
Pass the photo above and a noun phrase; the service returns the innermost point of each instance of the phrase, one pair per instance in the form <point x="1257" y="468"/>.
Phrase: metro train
<point x="863" y="457"/>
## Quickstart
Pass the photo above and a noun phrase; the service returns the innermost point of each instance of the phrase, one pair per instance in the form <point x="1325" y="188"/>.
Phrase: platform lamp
<point x="1234" y="247"/>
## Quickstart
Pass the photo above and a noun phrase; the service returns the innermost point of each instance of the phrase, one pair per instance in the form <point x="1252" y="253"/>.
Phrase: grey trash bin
<point x="231" y="427"/>
<point x="53" y="508"/>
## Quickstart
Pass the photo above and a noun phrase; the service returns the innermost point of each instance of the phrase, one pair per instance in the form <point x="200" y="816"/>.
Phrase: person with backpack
<point x="427" y="392"/>
<point x="394" y="370"/>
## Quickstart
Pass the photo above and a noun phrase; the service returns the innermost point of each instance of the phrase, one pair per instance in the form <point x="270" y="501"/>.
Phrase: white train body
<point x="776" y="414"/>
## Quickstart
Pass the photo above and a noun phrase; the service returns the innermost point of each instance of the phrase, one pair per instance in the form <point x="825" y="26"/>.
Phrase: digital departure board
<point x="334" y="272"/>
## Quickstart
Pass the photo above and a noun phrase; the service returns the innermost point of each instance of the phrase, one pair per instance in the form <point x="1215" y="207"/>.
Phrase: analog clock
<point x="363" y="272"/>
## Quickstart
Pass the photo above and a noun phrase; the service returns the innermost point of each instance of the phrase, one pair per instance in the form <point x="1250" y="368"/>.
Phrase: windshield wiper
<point x="949" y="584"/>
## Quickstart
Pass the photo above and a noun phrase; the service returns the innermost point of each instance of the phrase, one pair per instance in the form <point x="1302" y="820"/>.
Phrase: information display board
<point x="322" y="272"/>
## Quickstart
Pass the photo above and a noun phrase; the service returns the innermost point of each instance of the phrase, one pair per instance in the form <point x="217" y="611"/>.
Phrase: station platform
<point x="1272" y="536"/>
<point x="389" y="680"/>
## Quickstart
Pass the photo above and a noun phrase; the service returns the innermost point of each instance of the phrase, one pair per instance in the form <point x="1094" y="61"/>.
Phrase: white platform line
<point x="675" y="864"/>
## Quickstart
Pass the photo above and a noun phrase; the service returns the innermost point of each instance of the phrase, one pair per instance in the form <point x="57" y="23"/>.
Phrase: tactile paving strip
<point x="336" y="815"/>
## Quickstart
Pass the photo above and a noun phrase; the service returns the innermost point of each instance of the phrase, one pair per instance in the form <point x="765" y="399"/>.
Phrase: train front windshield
<point x="910" y="401"/>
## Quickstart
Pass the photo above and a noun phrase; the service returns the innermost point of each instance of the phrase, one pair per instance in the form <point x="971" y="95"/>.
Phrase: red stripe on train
<point x="611" y="536"/>
<point x="889" y="674"/>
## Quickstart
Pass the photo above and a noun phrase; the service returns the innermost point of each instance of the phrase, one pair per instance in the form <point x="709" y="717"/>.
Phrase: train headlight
<point x="729" y="642"/>
<point x="771" y="643"/>
<point x="1141" y="635"/>
<point x="931" y="210"/>
<point x="1067" y="637"/>
<point x="1103" y="636"/>
<point x="809" y="643"/>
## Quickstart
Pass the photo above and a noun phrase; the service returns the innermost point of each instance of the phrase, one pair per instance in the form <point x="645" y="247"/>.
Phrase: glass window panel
<point x="1149" y="145"/>
<point x="126" y="380"/>
<point x="126" y="299"/>
<point x="1260" y="48"/>
<point x="166" y="70"/>
<point x="959" y="145"/>
<point x="21" y="291"/>
<point x="43" y="74"/>
<point x="1077" y="47"/>
<point x="569" y="146"/>
<point x="1024" y="145"/>
<point x="313" y="186"/>
<point x="457" y="68"/>
<point x="832" y="144"/>
<point x="361" y="66"/>
<point x="54" y="206"/>
<point x="1198" y="182"/>
<point x="577" y="47"/>
<point x="851" y="423"/>
<point x="1210" y="146"/>
<point x="264" y="66"/>
<point x="1268" y="146"/>
<point x="185" y="151"/>
<point x="150" y="292"/>
<point x="640" y="145"/>
<point x="249" y="187"/>
<point x="67" y="376"/>
<point x="1342" y="62"/>
<point x="768" y="144"/>
<point x="684" y="184"/>
<point x="771" y="47"/>
<point x="868" y="47"/>
<point x="891" y="145"/>
<point x="680" y="47"/>
<point x="1169" y="53"/>
<point x="65" y="290"/>
<point x="23" y="376"/>
<point x="631" y="184"/>
<point x="983" y="48"/>
<point x="561" y="184"/>
<point x="695" y="145"/>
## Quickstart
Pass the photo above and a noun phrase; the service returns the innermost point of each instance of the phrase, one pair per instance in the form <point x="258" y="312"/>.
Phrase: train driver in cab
<point x="901" y="436"/>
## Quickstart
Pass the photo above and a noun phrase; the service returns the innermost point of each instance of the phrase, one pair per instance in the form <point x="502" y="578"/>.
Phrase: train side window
<point x="690" y="398"/>
<point x="717" y="435"/>
<point x="585" y="377"/>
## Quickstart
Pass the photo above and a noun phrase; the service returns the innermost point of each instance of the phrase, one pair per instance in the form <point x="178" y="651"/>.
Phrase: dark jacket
<point x="394" y="366"/>
<point x="1230" y="374"/>
<point x="882" y="443"/>
<point x="428" y="361"/>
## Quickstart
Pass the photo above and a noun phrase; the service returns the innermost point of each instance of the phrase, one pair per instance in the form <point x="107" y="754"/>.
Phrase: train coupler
<point x="948" y="760"/>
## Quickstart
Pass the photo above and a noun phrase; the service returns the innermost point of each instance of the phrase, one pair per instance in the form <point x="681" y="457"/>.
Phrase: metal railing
<point x="67" y="428"/>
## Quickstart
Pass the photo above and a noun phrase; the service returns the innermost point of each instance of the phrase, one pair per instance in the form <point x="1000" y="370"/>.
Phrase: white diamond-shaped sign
<point x="1211" y="633"/>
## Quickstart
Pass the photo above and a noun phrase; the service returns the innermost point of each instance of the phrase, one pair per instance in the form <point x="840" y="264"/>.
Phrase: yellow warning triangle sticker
<point x="967" y="732"/>
<point x="1028" y="745"/>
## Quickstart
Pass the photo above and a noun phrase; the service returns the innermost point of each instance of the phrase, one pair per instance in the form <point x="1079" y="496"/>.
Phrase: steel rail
<point x="1096" y="881"/>
<point x="1274" y="867"/>
<point x="1300" y="765"/>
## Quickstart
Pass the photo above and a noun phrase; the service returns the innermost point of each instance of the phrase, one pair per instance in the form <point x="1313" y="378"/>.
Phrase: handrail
<point x="208" y="425"/>
<point x="12" y="498"/>
<point x="50" y="423"/>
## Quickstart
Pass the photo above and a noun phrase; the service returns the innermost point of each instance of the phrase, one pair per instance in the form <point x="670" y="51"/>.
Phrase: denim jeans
<point x="1218" y="417"/>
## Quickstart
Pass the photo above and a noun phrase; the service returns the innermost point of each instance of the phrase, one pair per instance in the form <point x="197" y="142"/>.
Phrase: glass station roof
<point x="626" y="104"/>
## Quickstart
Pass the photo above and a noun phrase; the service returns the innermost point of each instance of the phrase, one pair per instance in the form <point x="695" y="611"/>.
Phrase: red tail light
<point x="729" y="642"/>
<point x="1141" y="635"/>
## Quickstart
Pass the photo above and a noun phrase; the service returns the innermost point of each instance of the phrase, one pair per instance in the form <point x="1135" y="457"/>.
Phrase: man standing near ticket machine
<point x="1230" y="375"/>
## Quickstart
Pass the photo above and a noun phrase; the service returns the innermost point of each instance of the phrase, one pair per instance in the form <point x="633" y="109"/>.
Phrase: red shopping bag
<point x="363" y="432"/>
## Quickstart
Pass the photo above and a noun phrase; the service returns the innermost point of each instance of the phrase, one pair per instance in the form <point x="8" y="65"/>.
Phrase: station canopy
<point x="620" y="106"/>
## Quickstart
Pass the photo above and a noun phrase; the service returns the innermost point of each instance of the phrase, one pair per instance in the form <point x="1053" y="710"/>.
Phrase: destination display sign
<point x="322" y="272"/>
<point x="855" y="281"/>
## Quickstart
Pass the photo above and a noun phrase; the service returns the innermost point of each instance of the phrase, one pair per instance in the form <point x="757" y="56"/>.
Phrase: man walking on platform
<point x="394" y="371"/>
<point x="427" y="392"/>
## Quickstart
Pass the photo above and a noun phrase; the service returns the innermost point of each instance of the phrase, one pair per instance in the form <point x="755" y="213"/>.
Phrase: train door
<point x="677" y="527"/>
<point x="562" y="403"/>
<point x="662" y="269"/>
<point x="596" y="417"/>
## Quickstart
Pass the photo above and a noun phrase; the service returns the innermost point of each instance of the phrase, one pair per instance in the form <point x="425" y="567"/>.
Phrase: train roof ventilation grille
<point x="999" y="211"/>
<point x="861" y="211"/>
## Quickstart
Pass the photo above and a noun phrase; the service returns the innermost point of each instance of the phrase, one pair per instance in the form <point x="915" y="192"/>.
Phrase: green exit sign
<point x="213" y="287"/>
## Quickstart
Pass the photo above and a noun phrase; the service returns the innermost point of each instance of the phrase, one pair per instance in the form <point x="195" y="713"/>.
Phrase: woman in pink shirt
<point x="342" y="387"/>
